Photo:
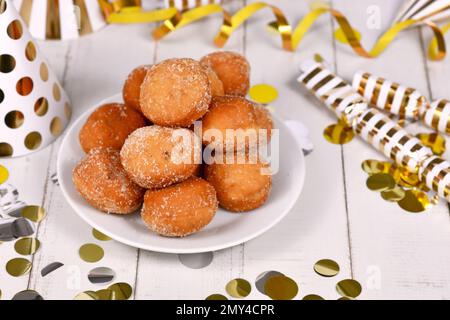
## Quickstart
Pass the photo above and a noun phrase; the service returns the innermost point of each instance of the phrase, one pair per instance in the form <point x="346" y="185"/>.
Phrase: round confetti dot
<point x="434" y="141"/>
<point x="14" y="119"/>
<point x="4" y="174"/>
<point x="33" y="140"/>
<point x="34" y="213"/>
<point x="41" y="107"/>
<point x="339" y="34"/>
<point x="196" y="260"/>
<point x="105" y="294"/>
<point x="15" y="30"/>
<point x="374" y="166"/>
<point x="2" y="6"/>
<point x="24" y="86"/>
<point x="345" y="298"/>
<point x="5" y="149"/>
<point x="2" y="96"/>
<point x="7" y="63"/>
<point x="414" y="201"/>
<point x="43" y="72"/>
<point x="27" y="295"/>
<point x="349" y="288"/>
<point x="281" y="288"/>
<point x="50" y="268"/>
<point x="262" y="279"/>
<point x="18" y="267"/>
<point x="121" y="290"/>
<point x="101" y="275"/>
<point x="216" y="297"/>
<point x="380" y="182"/>
<point x="326" y="268"/>
<point x="87" y="295"/>
<point x="263" y="93"/>
<point x="56" y="126"/>
<point x="91" y="252"/>
<point x="100" y="236"/>
<point x="312" y="297"/>
<point x="56" y="92"/>
<point x="338" y="133"/>
<point x="394" y="195"/>
<point x="27" y="246"/>
<point x="30" y="51"/>
<point x="408" y="178"/>
<point x="238" y="288"/>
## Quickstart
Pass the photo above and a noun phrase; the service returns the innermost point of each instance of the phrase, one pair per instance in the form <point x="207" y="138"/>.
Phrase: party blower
<point x="376" y="128"/>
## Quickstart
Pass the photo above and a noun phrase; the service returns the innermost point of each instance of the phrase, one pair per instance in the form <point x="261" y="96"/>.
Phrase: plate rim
<point x="160" y="249"/>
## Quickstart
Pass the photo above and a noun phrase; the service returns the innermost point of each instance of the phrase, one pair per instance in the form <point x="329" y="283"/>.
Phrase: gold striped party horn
<point x="437" y="116"/>
<point x="435" y="172"/>
<point x="407" y="103"/>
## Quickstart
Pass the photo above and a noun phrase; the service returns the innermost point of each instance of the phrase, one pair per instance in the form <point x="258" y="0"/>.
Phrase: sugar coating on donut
<point x="109" y="126"/>
<point x="232" y="69"/>
<point x="157" y="157"/>
<point x="132" y="87"/>
<point x="181" y="209"/>
<point x="175" y="93"/>
<point x="240" y="187"/>
<point x="103" y="183"/>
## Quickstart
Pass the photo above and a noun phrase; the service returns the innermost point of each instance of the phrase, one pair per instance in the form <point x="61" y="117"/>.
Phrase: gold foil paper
<point x="18" y="267"/>
<point x="281" y="288"/>
<point x="34" y="213"/>
<point x="326" y="268"/>
<point x="91" y="253"/>
<point x="27" y="246"/>
<point x="121" y="290"/>
<point x="238" y="288"/>
<point x="349" y="288"/>
<point x="100" y="236"/>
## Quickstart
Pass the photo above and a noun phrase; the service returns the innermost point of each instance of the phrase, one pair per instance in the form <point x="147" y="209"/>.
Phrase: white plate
<point x="226" y="230"/>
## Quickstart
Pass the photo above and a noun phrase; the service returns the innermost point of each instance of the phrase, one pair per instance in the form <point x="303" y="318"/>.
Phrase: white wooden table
<point x="395" y="255"/>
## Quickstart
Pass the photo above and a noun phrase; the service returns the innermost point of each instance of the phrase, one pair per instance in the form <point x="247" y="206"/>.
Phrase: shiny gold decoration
<point x="2" y="6"/>
<point x="349" y="288"/>
<point x="380" y="182"/>
<point x="33" y="140"/>
<point x="30" y="51"/>
<point x="434" y="141"/>
<point x="56" y="126"/>
<point x="415" y="201"/>
<point x="87" y="295"/>
<point x="263" y="93"/>
<point x="24" y="86"/>
<point x="5" y="149"/>
<point x="338" y="133"/>
<point x="261" y="280"/>
<point x="27" y="246"/>
<point x="238" y="288"/>
<point x="100" y="236"/>
<point x="41" y="107"/>
<point x="408" y="178"/>
<point x="4" y="174"/>
<point x="346" y="298"/>
<point x="340" y="35"/>
<point x="7" y="63"/>
<point x="14" y="119"/>
<point x="18" y="267"/>
<point x="374" y="166"/>
<point x="216" y="297"/>
<point x="43" y="72"/>
<point x="34" y="213"/>
<point x="105" y="294"/>
<point x="15" y="30"/>
<point x="281" y="288"/>
<point x="312" y="297"/>
<point x="122" y="291"/>
<point x="394" y="195"/>
<point x="326" y="268"/>
<point x="56" y="92"/>
<point x="91" y="252"/>
<point x="53" y="23"/>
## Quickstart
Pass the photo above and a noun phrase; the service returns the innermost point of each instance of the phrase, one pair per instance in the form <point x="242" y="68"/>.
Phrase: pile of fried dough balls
<point x="129" y="147"/>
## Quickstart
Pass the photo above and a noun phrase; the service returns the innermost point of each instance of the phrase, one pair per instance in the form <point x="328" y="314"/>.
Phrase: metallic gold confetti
<point x="341" y="36"/>
<point x="27" y="246"/>
<point x="18" y="267"/>
<point x="415" y="201"/>
<point x="216" y="297"/>
<point x="196" y="260"/>
<point x="281" y="288"/>
<point x="408" y="178"/>
<point x="434" y="141"/>
<point x="262" y="279"/>
<point x="27" y="295"/>
<point x="312" y="297"/>
<point x="101" y="275"/>
<point x="50" y="268"/>
<point x="34" y="213"/>
<point x="394" y="195"/>
<point x="91" y="252"/>
<point x="263" y="93"/>
<point x="87" y="295"/>
<point x="374" y="166"/>
<point x="349" y="288"/>
<point x="380" y="182"/>
<point x="346" y="298"/>
<point x="100" y="236"/>
<point x="121" y="290"/>
<point x="105" y="294"/>
<point x="326" y="268"/>
<point x="238" y="288"/>
<point x="338" y="133"/>
<point x="4" y="174"/>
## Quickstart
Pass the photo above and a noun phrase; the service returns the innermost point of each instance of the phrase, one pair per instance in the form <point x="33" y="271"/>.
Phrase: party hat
<point x="34" y="109"/>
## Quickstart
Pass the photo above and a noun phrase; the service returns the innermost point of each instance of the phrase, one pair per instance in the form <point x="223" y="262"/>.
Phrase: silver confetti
<point x="12" y="228"/>
<point x="101" y="275"/>
<point x="15" y="210"/>
<point x="50" y="268"/>
<point x="196" y="260"/>
<point x="54" y="178"/>
<point x="8" y="196"/>
<point x="27" y="295"/>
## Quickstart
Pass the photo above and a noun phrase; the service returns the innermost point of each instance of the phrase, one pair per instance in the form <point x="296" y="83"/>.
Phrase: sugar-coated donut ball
<point x="132" y="87"/>
<point x="244" y="117"/>
<point x="175" y="93"/>
<point x="103" y="183"/>
<point x="216" y="84"/>
<point x="109" y="126"/>
<point x="240" y="187"/>
<point x="181" y="209"/>
<point x="232" y="69"/>
<point x="157" y="157"/>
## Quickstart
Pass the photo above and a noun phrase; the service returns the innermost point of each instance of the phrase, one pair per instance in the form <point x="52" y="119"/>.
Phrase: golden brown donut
<point x="181" y="209"/>
<point x="240" y="187"/>
<point x="175" y="93"/>
<point x="216" y="83"/>
<point x="103" y="183"/>
<point x="109" y="126"/>
<point x="132" y="87"/>
<point x="153" y="156"/>
<point x="232" y="69"/>
<point x="239" y="114"/>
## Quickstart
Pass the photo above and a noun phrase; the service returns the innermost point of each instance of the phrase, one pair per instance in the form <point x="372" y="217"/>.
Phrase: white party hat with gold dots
<point x="34" y="109"/>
